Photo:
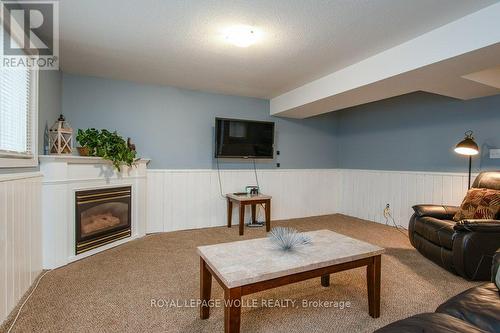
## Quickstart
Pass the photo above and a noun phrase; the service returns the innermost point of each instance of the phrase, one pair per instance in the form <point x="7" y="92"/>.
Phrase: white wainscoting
<point x="20" y="235"/>
<point x="364" y="193"/>
<point x="188" y="199"/>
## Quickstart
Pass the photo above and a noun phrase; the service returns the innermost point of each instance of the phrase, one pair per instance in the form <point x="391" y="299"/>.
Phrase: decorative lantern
<point x="61" y="137"/>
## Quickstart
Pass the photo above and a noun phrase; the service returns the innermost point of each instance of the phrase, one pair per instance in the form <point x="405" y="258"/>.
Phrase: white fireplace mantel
<point x="63" y="175"/>
<point x="75" y="159"/>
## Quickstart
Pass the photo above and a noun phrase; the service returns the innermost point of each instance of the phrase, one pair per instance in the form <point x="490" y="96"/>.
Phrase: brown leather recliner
<point x="465" y="248"/>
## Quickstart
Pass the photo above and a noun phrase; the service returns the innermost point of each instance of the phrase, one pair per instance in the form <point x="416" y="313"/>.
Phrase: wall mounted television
<point x="237" y="138"/>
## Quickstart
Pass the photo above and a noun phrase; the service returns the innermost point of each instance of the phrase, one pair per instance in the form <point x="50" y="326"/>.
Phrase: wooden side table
<point x="244" y="200"/>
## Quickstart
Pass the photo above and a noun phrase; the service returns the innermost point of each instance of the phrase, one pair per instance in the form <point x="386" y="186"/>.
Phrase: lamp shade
<point x="467" y="146"/>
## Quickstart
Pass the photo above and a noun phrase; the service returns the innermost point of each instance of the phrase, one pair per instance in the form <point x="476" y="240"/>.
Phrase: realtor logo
<point x="30" y="34"/>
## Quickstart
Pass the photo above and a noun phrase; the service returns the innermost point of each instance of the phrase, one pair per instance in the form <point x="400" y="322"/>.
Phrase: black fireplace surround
<point x="102" y="216"/>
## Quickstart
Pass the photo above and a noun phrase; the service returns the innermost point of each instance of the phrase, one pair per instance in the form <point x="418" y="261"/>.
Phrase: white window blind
<point x="16" y="111"/>
<point x="15" y="124"/>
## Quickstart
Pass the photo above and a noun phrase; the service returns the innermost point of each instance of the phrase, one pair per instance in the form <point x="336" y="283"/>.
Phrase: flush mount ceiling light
<point x="241" y="35"/>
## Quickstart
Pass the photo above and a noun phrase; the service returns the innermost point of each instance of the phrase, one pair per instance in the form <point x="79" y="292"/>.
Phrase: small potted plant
<point x="87" y="138"/>
<point x="105" y="144"/>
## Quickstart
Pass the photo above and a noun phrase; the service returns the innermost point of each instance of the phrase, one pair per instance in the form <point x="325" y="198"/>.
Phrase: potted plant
<point x="105" y="144"/>
<point x="87" y="140"/>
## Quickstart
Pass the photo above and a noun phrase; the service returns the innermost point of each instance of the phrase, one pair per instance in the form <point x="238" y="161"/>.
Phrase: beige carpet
<point x="112" y="291"/>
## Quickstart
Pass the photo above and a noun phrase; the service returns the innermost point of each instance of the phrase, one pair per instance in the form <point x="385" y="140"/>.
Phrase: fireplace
<point x="102" y="217"/>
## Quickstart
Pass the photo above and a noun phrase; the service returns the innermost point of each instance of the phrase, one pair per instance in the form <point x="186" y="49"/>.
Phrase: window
<point x="18" y="116"/>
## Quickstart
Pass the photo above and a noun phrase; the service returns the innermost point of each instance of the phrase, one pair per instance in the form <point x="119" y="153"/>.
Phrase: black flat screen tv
<point x="236" y="138"/>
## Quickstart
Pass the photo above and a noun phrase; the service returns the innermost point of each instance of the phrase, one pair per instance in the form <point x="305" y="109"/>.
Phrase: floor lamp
<point x="469" y="148"/>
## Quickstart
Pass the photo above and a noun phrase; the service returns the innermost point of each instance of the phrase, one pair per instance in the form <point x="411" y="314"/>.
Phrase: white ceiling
<point x="457" y="60"/>
<point x="489" y="77"/>
<point x="177" y="42"/>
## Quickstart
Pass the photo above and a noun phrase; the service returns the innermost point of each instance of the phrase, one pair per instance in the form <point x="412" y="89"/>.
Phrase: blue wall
<point x="417" y="132"/>
<point x="175" y="127"/>
<point x="49" y="102"/>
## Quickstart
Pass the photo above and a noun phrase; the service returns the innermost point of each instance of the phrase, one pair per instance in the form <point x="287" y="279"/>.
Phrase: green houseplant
<point x="106" y="144"/>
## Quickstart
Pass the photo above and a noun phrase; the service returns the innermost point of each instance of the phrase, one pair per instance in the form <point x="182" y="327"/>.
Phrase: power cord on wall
<point x="255" y="173"/>
<point x="220" y="181"/>
<point x="26" y="300"/>
<point x="388" y="216"/>
<point x="258" y="185"/>
<point x="219" y="177"/>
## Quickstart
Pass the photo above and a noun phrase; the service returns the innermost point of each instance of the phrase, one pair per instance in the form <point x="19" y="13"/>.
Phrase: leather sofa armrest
<point x="474" y="246"/>
<point x="437" y="211"/>
<point x="495" y="265"/>
<point x="478" y="225"/>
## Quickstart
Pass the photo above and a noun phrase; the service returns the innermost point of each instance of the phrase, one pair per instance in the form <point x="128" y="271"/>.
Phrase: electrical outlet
<point x="387" y="211"/>
<point x="494" y="153"/>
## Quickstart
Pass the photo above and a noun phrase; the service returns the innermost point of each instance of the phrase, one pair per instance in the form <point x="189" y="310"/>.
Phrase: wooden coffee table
<point x="250" y="266"/>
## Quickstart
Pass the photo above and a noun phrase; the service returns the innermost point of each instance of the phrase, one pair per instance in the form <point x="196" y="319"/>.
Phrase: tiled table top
<point x="249" y="261"/>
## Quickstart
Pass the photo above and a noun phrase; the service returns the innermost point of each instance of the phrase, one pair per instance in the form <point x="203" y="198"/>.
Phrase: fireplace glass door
<point x="102" y="216"/>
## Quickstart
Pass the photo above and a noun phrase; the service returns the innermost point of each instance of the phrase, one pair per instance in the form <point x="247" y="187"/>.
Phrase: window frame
<point x="14" y="160"/>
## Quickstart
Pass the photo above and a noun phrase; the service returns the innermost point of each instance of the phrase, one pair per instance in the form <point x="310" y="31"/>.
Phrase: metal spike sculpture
<point x="288" y="238"/>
